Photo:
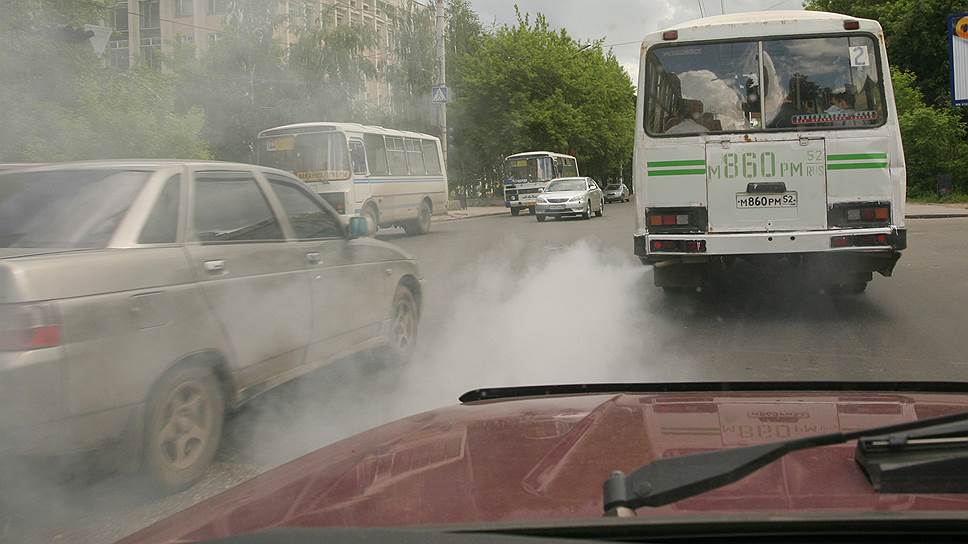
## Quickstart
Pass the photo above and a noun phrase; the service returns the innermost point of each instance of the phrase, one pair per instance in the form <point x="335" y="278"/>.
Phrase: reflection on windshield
<point x="705" y="88"/>
<point x="822" y="82"/>
<point x="809" y="83"/>
<point x="65" y="208"/>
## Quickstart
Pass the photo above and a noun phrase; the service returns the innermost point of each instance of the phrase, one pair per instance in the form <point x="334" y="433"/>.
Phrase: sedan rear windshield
<point x="807" y="84"/>
<point x="65" y="208"/>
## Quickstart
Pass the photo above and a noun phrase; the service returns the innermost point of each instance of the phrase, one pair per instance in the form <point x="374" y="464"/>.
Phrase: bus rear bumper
<point x="774" y="243"/>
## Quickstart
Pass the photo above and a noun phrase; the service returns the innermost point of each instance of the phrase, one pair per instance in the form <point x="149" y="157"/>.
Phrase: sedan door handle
<point x="215" y="267"/>
<point x="313" y="257"/>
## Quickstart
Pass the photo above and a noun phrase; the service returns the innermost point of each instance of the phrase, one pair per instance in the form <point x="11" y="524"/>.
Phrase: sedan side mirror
<point x="359" y="227"/>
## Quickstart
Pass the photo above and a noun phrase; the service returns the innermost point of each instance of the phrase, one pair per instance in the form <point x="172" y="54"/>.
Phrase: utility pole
<point x="442" y="75"/>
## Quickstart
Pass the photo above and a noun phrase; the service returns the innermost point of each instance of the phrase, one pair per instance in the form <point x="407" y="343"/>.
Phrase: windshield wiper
<point x="925" y="456"/>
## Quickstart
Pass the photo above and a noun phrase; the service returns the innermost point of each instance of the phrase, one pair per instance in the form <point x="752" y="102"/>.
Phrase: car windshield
<point x="65" y="208"/>
<point x="559" y="185"/>
<point x="448" y="262"/>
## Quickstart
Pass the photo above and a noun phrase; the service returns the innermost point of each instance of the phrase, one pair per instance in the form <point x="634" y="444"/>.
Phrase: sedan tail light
<point x="28" y="326"/>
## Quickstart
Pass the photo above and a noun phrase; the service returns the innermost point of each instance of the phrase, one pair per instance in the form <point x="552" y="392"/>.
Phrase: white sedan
<point x="570" y="196"/>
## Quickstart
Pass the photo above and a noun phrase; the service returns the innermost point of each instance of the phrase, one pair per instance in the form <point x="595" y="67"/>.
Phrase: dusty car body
<point x="97" y="327"/>
<point x="542" y="456"/>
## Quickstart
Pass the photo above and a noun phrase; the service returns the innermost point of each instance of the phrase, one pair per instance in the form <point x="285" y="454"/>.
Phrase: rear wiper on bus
<point x="925" y="456"/>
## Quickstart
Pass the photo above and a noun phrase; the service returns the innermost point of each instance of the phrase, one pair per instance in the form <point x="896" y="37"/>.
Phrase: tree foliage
<point x="916" y="34"/>
<point x="61" y="102"/>
<point x="529" y="87"/>
<point x="934" y="138"/>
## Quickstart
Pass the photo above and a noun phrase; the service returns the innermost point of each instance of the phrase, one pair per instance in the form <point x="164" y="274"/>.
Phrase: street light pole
<point x="442" y="75"/>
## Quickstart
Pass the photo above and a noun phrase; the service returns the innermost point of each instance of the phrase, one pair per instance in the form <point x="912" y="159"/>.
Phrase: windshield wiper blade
<point x="669" y="480"/>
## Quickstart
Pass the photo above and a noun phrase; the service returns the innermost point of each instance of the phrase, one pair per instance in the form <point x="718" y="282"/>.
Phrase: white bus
<point x="769" y="137"/>
<point x="393" y="177"/>
<point x="527" y="174"/>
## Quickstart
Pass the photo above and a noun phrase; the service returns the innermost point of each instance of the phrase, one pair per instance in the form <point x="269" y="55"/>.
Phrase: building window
<point x="151" y="51"/>
<point x="119" y="18"/>
<point x="214" y="36"/>
<point x="186" y="38"/>
<point x="150" y="18"/>
<point x="184" y="8"/>
<point x="218" y="7"/>
<point x="118" y="54"/>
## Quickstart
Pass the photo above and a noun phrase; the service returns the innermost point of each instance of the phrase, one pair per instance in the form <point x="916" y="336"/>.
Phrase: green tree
<point x="61" y="102"/>
<point x="530" y="87"/>
<point x="239" y="81"/>
<point x="916" y="34"/>
<point x="934" y="138"/>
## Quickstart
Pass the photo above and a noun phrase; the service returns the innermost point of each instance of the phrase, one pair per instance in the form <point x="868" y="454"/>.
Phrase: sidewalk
<point x="935" y="211"/>
<point x="471" y="213"/>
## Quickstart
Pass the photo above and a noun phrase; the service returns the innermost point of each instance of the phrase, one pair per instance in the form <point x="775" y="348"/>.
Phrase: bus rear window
<point x="311" y="157"/>
<point x="808" y="83"/>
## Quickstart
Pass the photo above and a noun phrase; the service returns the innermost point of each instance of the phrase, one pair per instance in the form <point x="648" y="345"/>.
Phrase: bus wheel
<point x="370" y="213"/>
<point x="515" y="211"/>
<point x="420" y="225"/>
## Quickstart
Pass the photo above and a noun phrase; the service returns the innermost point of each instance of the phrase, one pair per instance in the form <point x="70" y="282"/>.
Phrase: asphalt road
<point x="511" y="301"/>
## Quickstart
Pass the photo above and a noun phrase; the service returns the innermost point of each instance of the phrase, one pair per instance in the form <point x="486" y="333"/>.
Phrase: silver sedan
<point x="570" y="197"/>
<point x="156" y="296"/>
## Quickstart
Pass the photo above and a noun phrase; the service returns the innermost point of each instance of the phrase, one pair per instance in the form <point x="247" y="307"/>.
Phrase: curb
<point x="935" y="215"/>
<point x="450" y="218"/>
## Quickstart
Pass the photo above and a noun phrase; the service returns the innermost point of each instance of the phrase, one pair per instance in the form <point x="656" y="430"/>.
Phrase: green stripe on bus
<point x="856" y="156"/>
<point x="688" y="172"/>
<point x="856" y="165"/>
<point x="656" y="164"/>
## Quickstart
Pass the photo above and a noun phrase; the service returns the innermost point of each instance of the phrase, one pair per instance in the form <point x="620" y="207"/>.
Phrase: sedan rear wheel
<point x="402" y="336"/>
<point x="184" y="427"/>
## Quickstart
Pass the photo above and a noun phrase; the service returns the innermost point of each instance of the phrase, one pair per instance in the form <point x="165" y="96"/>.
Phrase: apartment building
<point x="145" y="28"/>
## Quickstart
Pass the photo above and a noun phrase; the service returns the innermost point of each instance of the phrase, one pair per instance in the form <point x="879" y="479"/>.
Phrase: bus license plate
<point x="767" y="200"/>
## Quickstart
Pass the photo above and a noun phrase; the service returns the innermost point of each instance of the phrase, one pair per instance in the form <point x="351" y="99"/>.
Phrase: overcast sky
<point x="619" y="21"/>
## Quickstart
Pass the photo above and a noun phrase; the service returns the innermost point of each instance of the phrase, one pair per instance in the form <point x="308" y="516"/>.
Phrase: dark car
<point x="534" y="461"/>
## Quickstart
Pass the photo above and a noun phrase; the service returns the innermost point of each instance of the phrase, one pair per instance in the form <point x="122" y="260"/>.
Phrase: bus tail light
<point x="863" y="240"/>
<point x="676" y="220"/>
<point x="27" y="327"/>
<point x="859" y="214"/>
<point x="678" y="246"/>
<point x="670" y="35"/>
<point x="851" y="25"/>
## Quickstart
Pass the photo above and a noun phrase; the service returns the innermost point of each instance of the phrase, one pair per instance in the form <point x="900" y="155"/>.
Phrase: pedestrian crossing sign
<point x="438" y="94"/>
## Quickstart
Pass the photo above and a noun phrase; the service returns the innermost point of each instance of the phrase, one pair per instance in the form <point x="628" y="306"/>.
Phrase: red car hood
<point x="546" y="459"/>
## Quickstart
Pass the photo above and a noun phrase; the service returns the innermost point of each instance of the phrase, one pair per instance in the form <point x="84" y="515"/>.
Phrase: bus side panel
<point x="860" y="179"/>
<point x="671" y="175"/>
